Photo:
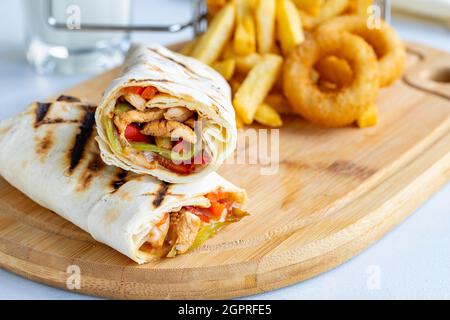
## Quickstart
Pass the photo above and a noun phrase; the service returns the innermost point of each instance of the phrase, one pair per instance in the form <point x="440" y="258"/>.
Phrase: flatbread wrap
<point x="166" y="115"/>
<point x="49" y="153"/>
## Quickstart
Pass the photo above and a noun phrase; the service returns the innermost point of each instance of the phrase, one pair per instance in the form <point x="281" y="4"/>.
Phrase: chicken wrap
<point x="49" y="153"/>
<point x="166" y="115"/>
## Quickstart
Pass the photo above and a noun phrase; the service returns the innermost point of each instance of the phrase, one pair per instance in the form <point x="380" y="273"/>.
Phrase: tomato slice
<point x="149" y="92"/>
<point x="216" y="209"/>
<point x="178" y="168"/>
<point x="213" y="196"/>
<point x="135" y="90"/>
<point x="132" y="133"/>
<point x="202" y="213"/>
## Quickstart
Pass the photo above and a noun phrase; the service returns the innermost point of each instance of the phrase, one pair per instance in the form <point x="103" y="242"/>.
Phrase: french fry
<point x="363" y="7"/>
<point x="252" y="4"/>
<point x="265" y="25"/>
<point x="236" y="82"/>
<point x="359" y="7"/>
<point x="228" y="52"/>
<point x="267" y="115"/>
<point x="189" y="47"/>
<point x="280" y="104"/>
<point x="214" y="6"/>
<point x="239" y="123"/>
<point x="246" y="63"/>
<point x="278" y="85"/>
<point x="244" y="36"/>
<point x="308" y="22"/>
<point x="369" y="118"/>
<point x="212" y="42"/>
<point x="331" y="9"/>
<point x="256" y="86"/>
<point x="328" y="10"/>
<point x="276" y="50"/>
<point x="225" y="68"/>
<point x="289" y="26"/>
<point x="311" y="7"/>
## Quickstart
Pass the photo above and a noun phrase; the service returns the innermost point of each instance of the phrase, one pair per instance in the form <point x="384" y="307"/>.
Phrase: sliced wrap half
<point x="166" y="115"/>
<point x="49" y="153"/>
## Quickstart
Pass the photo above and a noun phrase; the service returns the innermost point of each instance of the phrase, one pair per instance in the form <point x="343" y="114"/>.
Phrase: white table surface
<point x="412" y="261"/>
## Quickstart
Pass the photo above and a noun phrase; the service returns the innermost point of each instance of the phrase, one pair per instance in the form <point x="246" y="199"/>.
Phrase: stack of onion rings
<point x="331" y="108"/>
<point x="332" y="79"/>
<point x="384" y="40"/>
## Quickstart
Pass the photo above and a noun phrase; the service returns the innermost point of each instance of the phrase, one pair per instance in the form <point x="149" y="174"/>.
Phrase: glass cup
<point x="71" y="50"/>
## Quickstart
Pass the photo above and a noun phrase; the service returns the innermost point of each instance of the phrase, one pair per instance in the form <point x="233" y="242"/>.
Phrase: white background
<point x="413" y="260"/>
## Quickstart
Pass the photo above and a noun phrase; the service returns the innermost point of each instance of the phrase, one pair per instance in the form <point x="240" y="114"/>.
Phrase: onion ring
<point x="388" y="47"/>
<point x="335" y="108"/>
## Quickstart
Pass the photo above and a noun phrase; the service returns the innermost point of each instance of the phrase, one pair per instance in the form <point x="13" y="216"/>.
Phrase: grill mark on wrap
<point x="67" y="98"/>
<point x="93" y="169"/>
<point x="149" y="79"/>
<point x="147" y="194"/>
<point x="160" y="194"/>
<point x="44" y="145"/>
<point x="176" y="62"/>
<point x="213" y="86"/>
<point x="82" y="138"/>
<point x="41" y="111"/>
<point x="120" y="179"/>
<point x="58" y="120"/>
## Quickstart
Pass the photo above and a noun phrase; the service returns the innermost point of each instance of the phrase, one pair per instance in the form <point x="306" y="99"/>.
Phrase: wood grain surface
<point x="335" y="192"/>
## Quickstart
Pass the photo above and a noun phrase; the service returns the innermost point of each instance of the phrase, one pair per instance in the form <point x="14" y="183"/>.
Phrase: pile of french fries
<point x="247" y="40"/>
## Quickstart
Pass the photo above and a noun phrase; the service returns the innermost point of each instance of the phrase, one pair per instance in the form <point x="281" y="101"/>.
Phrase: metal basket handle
<point x="198" y="22"/>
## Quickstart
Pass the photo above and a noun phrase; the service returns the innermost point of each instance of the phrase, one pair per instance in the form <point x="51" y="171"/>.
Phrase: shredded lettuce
<point x="111" y="135"/>
<point x="122" y="107"/>
<point x="206" y="232"/>
<point x="172" y="253"/>
<point x="210" y="229"/>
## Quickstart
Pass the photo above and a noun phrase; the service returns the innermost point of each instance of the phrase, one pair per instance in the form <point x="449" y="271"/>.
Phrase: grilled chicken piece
<point x="142" y="116"/>
<point x="121" y="125"/>
<point x="187" y="227"/>
<point x="135" y="100"/>
<point x="180" y="114"/>
<point x="171" y="129"/>
<point x="190" y="122"/>
<point x="124" y="119"/>
<point x="158" y="234"/>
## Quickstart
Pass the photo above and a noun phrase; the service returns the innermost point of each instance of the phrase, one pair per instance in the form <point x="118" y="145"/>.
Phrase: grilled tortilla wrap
<point x="49" y="153"/>
<point x="166" y="115"/>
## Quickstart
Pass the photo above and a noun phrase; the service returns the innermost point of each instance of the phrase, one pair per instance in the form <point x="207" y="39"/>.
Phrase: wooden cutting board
<point x="335" y="192"/>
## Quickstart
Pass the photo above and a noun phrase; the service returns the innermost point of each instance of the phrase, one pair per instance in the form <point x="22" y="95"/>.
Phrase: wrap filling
<point x="186" y="229"/>
<point x="152" y="136"/>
